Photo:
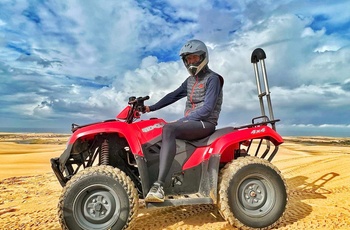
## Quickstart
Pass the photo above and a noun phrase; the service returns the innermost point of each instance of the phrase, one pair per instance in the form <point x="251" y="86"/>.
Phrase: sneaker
<point x="155" y="194"/>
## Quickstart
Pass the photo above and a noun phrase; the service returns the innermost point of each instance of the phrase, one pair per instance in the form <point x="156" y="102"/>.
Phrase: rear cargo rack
<point x="263" y="92"/>
<point x="265" y="119"/>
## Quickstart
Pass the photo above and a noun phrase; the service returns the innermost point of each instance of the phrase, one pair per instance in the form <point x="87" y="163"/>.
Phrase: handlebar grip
<point x="133" y="100"/>
<point x="144" y="98"/>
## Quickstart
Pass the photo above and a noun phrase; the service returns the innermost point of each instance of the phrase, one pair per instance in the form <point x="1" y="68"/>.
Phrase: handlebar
<point x="133" y="100"/>
<point x="137" y="106"/>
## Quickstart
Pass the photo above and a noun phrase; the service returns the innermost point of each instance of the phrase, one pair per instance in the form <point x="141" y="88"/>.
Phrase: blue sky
<point x="64" y="62"/>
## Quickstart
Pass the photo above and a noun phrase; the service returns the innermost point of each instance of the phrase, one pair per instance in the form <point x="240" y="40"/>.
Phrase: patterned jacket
<point x="204" y="97"/>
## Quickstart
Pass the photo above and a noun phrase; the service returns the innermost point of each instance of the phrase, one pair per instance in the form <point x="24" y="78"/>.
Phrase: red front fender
<point x="122" y="128"/>
<point x="135" y="134"/>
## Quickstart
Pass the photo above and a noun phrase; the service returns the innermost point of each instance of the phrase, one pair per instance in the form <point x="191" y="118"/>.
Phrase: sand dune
<point x="316" y="170"/>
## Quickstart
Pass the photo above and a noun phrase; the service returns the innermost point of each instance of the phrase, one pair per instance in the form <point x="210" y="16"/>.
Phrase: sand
<point x="317" y="171"/>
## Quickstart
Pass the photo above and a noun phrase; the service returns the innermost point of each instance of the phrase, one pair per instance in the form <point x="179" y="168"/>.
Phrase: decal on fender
<point x="257" y="131"/>
<point x="150" y="128"/>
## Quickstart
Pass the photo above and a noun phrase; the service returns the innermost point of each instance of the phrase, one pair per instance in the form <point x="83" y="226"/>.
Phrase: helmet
<point x="195" y="47"/>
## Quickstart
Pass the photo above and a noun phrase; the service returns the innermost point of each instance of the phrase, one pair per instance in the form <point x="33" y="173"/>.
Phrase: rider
<point x="203" y="89"/>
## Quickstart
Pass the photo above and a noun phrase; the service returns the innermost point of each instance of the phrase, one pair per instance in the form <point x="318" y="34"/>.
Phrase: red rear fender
<point x="261" y="132"/>
<point x="227" y="144"/>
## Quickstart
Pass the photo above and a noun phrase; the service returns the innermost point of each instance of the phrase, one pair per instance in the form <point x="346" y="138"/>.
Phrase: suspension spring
<point x="104" y="156"/>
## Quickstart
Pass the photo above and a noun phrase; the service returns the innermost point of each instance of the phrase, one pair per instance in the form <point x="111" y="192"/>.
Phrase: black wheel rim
<point x="96" y="207"/>
<point x="256" y="196"/>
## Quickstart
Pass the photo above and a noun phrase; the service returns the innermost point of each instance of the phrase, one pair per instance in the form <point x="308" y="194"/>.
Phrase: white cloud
<point x="309" y="32"/>
<point x="148" y="61"/>
<point x="2" y="23"/>
<point x="87" y="57"/>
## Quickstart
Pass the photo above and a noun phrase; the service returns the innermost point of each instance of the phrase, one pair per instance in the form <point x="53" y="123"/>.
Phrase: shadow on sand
<point x="299" y="190"/>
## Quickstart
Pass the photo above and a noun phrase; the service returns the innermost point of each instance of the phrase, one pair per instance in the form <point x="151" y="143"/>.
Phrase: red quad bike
<point x="108" y="166"/>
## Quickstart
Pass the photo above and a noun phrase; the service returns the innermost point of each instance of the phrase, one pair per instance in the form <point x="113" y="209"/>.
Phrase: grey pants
<point x="185" y="130"/>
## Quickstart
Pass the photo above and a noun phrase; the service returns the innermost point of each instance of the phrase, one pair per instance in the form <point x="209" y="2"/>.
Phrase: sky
<point x="78" y="61"/>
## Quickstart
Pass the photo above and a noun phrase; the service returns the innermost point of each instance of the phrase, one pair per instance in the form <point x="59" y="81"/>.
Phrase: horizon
<point x="280" y="130"/>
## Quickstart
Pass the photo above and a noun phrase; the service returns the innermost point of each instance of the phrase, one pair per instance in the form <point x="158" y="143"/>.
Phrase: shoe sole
<point x="153" y="199"/>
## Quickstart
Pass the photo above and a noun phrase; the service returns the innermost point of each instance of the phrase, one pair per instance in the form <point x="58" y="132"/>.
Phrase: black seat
<point x="210" y="139"/>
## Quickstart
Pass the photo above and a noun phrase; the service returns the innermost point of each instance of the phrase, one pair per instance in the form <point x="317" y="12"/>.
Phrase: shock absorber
<point x="104" y="156"/>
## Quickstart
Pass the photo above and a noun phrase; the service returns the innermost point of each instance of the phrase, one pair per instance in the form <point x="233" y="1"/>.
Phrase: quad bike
<point x="108" y="166"/>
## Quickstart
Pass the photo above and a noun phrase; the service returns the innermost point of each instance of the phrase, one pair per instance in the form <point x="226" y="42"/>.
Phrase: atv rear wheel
<point x="252" y="193"/>
<point x="99" y="197"/>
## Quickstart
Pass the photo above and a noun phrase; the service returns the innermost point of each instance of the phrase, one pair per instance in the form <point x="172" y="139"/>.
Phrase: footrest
<point x="178" y="200"/>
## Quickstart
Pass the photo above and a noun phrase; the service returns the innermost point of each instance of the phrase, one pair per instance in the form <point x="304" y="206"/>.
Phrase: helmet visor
<point x="192" y="59"/>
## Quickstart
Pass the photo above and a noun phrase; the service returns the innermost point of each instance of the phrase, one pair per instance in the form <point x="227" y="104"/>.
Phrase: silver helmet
<point x="195" y="47"/>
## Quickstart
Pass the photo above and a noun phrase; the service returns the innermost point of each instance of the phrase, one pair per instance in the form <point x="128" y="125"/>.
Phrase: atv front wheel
<point x="99" y="197"/>
<point x="252" y="193"/>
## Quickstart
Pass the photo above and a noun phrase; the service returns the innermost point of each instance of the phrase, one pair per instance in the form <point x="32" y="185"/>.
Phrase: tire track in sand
<point x="318" y="190"/>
